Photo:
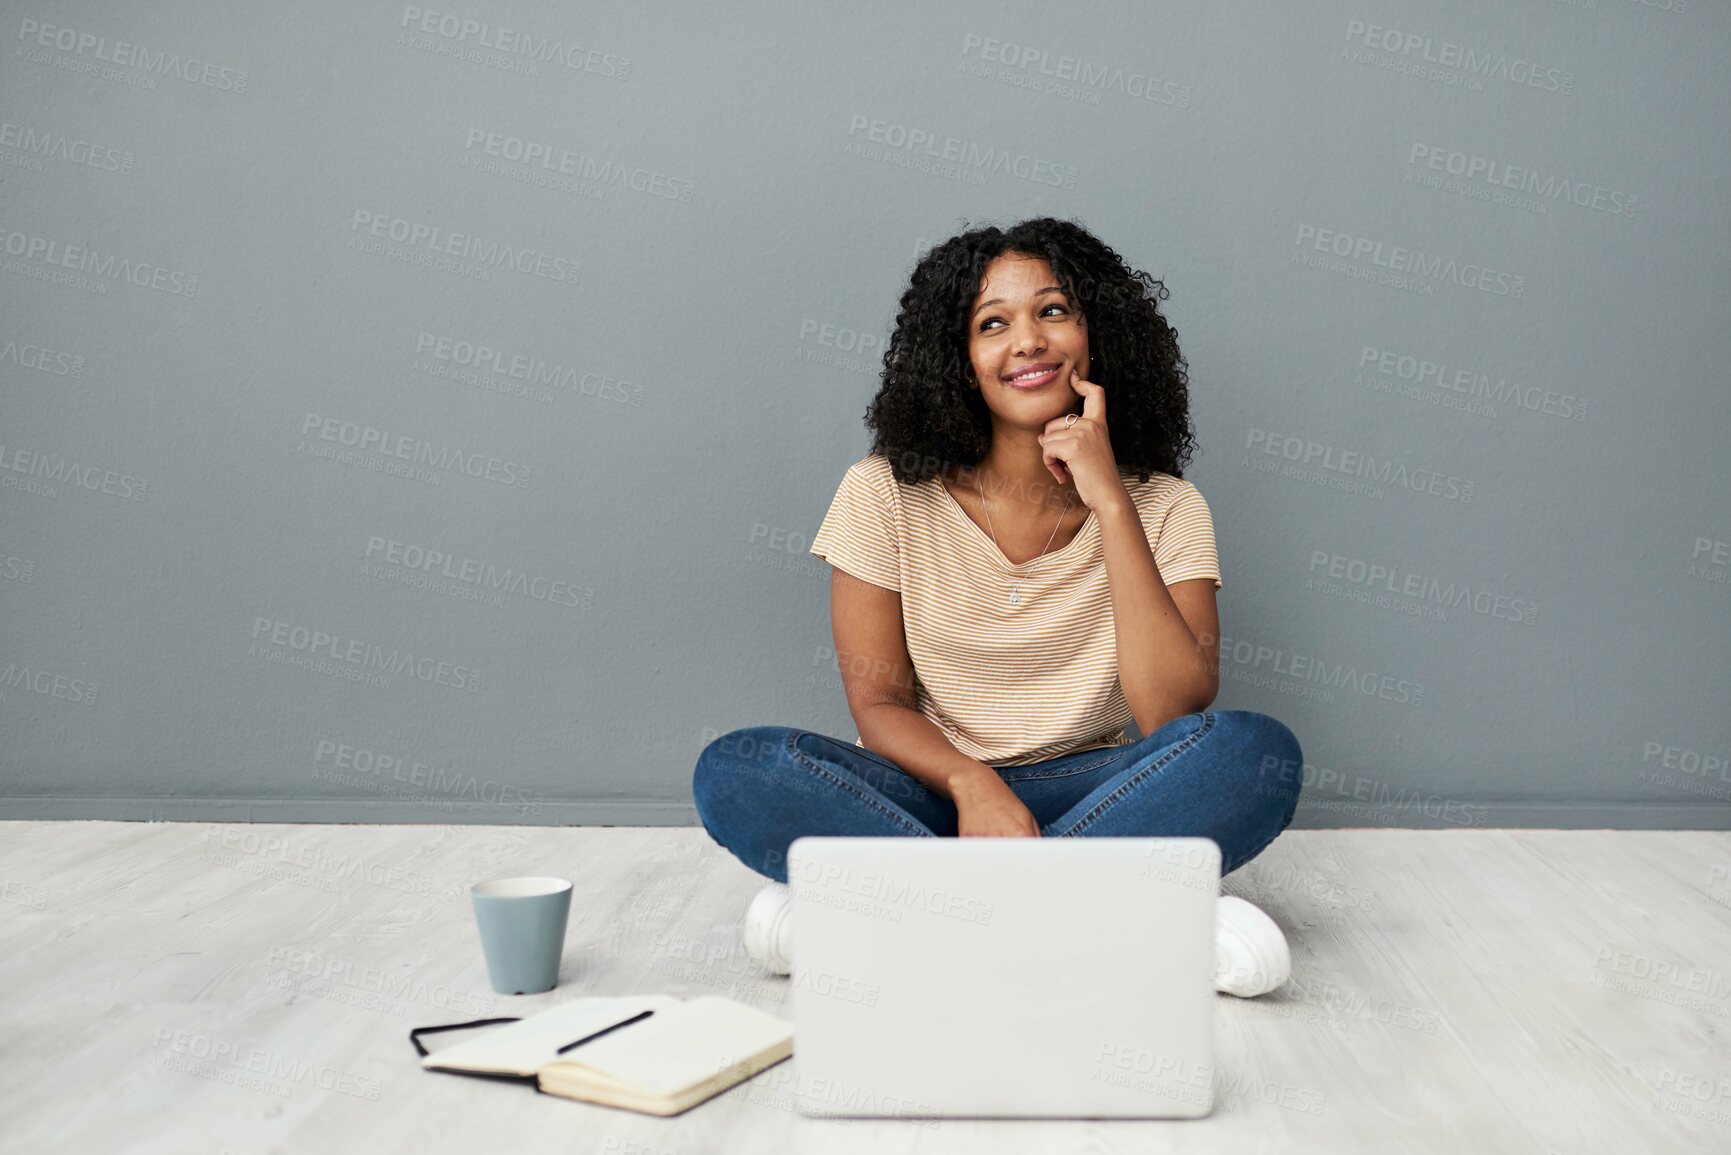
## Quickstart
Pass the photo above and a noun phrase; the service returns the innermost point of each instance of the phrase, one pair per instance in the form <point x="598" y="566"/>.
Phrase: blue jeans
<point x="1229" y="775"/>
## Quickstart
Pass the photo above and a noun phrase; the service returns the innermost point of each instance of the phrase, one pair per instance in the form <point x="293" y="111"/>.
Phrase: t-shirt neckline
<point x="980" y="535"/>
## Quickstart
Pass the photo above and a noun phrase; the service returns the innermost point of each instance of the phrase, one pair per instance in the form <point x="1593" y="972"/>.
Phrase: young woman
<point x="1019" y="570"/>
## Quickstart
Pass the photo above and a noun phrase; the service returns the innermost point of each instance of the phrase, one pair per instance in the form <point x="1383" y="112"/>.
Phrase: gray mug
<point x="522" y="923"/>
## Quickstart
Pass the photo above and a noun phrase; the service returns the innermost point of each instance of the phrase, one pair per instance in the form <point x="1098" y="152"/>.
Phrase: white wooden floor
<point x="238" y="988"/>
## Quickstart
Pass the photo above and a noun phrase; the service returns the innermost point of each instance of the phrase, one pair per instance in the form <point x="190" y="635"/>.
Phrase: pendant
<point x="1016" y="597"/>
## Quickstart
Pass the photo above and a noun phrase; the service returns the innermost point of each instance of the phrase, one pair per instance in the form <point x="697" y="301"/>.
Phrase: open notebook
<point x="651" y="1053"/>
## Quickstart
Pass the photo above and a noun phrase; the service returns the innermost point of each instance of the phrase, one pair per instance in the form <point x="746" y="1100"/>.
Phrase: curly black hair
<point x="925" y="417"/>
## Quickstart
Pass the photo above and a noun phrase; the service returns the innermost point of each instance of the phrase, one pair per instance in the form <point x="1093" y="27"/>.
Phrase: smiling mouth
<point x="1033" y="380"/>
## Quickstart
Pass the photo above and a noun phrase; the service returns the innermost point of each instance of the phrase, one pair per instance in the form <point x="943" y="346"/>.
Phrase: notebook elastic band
<point x="415" y="1035"/>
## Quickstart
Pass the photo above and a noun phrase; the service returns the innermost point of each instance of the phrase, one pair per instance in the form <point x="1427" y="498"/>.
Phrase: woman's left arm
<point x="1168" y="636"/>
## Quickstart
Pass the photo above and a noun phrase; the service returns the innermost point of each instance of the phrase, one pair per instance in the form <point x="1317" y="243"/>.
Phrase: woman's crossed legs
<point x="1229" y="775"/>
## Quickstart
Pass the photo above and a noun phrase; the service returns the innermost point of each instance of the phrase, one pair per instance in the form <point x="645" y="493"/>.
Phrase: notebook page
<point x="683" y="1046"/>
<point x="523" y="1048"/>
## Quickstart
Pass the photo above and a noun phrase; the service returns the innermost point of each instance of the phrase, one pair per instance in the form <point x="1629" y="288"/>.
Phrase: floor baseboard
<point x="1325" y="814"/>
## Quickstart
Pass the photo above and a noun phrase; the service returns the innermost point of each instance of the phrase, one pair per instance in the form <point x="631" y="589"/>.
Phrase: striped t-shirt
<point x="1008" y="684"/>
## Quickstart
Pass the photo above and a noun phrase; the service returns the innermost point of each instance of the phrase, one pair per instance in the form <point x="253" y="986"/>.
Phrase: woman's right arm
<point x="878" y="677"/>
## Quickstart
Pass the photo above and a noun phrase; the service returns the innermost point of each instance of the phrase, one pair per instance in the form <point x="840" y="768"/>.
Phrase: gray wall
<point x="281" y="542"/>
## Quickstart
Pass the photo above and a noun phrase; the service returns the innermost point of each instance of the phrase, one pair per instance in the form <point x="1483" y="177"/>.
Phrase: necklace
<point x="1016" y="594"/>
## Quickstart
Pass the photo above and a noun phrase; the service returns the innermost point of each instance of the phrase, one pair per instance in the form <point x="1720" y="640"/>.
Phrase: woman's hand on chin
<point x="1083" y="449"/>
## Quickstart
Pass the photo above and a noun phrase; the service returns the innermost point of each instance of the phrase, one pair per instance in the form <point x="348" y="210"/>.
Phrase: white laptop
<point x="1003" y="977"/>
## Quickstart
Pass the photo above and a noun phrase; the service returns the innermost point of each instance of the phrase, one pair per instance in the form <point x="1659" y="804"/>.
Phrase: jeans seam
<point x="1131" y="782"/>
<point x="850" y="787"/>
<point x="1094" y="765"/>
